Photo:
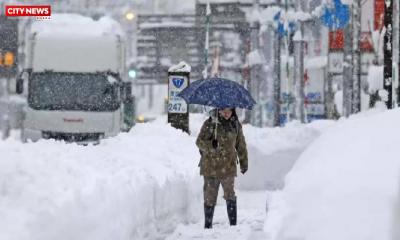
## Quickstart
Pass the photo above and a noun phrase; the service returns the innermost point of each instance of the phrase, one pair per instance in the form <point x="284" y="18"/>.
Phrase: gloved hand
<point x="243" y="170"/>
<point x="215" y="143"/>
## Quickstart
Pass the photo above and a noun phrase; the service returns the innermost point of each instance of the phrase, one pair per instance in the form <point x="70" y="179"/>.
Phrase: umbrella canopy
<point x="218" y="92"/>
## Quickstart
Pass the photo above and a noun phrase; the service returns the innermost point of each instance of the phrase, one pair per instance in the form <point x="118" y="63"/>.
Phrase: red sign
<point x="336" y="40"/>
<point x="379" y="14"/>
<point x="28" y="10"/>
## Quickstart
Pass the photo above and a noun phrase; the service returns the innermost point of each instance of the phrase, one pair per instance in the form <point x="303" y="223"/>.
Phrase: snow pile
<point x="365" y="102"/>
<point x="180" y="67"/>
<point x="344" y="186"/>
<point x="375" y="78"/>
<point x="339" y="102"/>
<point x="125" y="188"/>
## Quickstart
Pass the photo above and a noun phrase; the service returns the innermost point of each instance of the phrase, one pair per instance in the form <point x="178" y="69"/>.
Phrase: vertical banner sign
<point x="175" y="86"/>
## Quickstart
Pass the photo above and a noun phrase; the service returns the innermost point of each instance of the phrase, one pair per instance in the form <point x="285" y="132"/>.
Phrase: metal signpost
<point x="299" y="45"/>
<point x="178" y="110"/>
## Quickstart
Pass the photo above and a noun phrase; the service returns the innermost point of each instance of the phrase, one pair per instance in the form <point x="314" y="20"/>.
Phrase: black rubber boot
<point x="208" y="216"/>
<point x="232" y="211"/>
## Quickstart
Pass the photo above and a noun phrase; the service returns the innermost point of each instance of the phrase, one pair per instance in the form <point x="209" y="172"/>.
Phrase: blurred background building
<point x="161" y="33"/>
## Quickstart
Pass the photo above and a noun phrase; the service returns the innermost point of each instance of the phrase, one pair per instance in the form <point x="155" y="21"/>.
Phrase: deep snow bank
<point x="137" y="185"/>
<point x="273" y="151"/>
<point x="344" y="186"/>
<point x="128" y="187"/>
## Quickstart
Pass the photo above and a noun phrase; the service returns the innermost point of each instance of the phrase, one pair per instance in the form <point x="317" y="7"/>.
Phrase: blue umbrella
<point x="218" y="92"/>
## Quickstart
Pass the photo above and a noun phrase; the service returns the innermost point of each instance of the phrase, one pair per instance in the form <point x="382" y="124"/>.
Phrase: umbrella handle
<point x="216" y="124"/>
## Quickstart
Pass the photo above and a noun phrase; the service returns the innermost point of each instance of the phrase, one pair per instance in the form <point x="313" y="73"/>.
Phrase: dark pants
<point x="211" y="186"/>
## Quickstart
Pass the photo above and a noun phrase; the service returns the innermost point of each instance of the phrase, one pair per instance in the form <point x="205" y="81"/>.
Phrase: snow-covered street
<point x="251" y="217"/>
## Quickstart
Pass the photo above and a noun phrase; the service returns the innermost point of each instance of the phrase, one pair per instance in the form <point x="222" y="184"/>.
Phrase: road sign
<point x="336" y="17"/>
<point x="176" y="85"/>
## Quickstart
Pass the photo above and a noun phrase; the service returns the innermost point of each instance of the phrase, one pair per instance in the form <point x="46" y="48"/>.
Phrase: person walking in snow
<point x="222" y="146"/>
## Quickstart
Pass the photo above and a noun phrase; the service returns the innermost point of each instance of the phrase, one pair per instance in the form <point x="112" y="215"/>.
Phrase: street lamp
<point x="129" y="16"/>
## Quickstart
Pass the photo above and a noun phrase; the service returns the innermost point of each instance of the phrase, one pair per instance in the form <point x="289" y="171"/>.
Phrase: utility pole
<point x="277" y="76"/>
<point x="207" y="40"/>
<point x="396" y="57"/>
<point x="288" y="87"/>
<point x="277" y="79"/>
<point x="398" y="50"/>
<point x="347" y="70"/>
<point x="256" y="65"/>
<point x="388" y="53"/>
<point x="299" y="44"/>
<point x="356" y="103"/>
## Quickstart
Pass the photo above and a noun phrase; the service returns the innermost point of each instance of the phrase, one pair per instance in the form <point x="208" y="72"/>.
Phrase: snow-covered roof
<point x="75" y="43"/>
<point x="76" y="25"/>
<point x="77" y="54"/>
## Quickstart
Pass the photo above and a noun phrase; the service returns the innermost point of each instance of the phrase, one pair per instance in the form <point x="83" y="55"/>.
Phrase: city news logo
<point x="41" y="12"/>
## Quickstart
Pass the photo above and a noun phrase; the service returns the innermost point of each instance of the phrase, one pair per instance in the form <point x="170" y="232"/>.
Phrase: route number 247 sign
<point x="175" y="85"/>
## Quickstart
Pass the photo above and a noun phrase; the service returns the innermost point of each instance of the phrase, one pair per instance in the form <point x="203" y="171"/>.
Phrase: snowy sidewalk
<point x="251" y="216"/>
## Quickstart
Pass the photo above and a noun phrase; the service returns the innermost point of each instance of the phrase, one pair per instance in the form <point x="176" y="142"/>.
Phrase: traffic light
<point x="132" y="73"/>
